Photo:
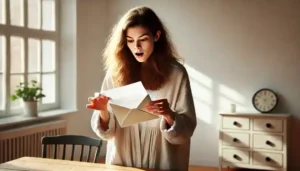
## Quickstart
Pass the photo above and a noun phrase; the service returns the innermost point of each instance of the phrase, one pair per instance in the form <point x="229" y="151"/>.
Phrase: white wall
<point x="232" y="49"/>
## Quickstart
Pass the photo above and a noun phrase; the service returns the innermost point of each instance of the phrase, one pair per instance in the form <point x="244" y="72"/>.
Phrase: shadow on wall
<point x="211" y="98"/>
<point x="293" y="139"/>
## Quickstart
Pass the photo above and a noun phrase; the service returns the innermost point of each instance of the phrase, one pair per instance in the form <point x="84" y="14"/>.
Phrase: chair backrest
<point x="72" y="140"/>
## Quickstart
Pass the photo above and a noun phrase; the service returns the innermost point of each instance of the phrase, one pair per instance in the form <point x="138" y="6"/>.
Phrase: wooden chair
<point x="72" y="140"/>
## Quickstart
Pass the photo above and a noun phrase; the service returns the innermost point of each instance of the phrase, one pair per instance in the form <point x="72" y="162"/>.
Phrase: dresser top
<point x="257" y="114"/>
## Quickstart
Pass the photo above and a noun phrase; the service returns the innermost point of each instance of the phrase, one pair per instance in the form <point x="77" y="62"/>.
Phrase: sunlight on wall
<point x="201" y="86"/>
<point x="205" y="80"/>
<point x="211" y="97"/>
<point x="229" y="96"/>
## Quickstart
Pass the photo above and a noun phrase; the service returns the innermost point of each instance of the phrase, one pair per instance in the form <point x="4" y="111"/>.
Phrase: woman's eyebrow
<point x="145" y="34"/>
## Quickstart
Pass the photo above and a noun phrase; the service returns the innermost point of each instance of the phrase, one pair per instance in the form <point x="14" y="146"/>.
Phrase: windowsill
<point x="4" y="122"/>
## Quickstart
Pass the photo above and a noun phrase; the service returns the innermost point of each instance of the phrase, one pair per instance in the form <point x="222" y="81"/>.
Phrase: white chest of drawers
<point x="254" y="141"/>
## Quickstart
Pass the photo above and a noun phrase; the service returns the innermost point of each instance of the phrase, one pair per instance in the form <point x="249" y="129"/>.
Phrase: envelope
<point x="128" y="104"/>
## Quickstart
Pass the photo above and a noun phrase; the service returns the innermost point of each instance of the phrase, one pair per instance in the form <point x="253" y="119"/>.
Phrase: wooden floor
<point x="200" y="168"/>
<point x="203" y="168"/>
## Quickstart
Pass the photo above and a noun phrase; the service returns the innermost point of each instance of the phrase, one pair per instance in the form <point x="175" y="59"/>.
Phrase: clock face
<point x="265" y="100"/>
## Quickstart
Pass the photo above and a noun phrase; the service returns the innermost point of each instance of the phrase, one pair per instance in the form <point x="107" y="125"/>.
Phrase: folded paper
<point x="129" y="104"/>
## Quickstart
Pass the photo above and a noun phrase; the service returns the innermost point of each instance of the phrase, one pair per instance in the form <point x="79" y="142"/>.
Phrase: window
<point x="29" y="45"/>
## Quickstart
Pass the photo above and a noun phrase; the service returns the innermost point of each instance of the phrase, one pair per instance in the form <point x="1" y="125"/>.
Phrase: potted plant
<point x="30" y="94"/>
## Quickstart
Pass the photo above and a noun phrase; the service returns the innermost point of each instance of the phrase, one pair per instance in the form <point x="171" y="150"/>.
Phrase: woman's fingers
<point x="158" y="109"/>
<point x="161" y="112"/>
<point x="153" y="107"/>
<point x="160" y="101"/>
<point x="91" y="99"/>
<point x="90" y="106"/>
<point x="159" y="104"/>
<point x="102" y="97"/>
<point x="105" y="97"/>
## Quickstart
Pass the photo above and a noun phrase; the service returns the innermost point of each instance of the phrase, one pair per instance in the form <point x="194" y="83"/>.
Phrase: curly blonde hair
<point x="119" y="60"/>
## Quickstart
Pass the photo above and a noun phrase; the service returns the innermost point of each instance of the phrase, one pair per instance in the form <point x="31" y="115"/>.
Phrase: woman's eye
<point x="143" y="39"/>
<point x="129" y="41"/>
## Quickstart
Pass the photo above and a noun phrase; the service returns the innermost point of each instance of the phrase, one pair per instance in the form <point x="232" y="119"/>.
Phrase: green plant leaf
<point x="28" y="92"/>
<point x="13" y="97"/>
<point x="40" y="96"/>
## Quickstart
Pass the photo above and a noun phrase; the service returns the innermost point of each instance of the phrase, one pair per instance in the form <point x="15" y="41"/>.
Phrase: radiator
<point x="26" y="141"/>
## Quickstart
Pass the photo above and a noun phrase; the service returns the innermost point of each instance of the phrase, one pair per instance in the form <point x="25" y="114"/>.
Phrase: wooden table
<point x="43" y="164"/>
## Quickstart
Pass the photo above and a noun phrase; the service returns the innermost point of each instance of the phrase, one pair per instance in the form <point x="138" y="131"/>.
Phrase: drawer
<point x="268" y="159"/>
<point x="268" y="125"/>
<point x="238" y="123"/>
<point x="236" y="139"/>
<point x="235" y="156"/>
<point x="270" y="142"/>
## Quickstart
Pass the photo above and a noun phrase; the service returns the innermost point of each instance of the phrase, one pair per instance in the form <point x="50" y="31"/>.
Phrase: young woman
<point x="139" y="49"/>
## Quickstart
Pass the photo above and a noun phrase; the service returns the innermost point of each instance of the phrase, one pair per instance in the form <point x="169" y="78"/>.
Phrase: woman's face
<point x="140" y="42"/>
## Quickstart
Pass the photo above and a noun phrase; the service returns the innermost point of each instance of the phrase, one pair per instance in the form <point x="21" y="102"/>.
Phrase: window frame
<point x="26" y="33"/>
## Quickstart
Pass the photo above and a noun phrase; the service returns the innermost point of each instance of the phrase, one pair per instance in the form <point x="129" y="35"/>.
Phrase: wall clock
<point x="265" y="100"/>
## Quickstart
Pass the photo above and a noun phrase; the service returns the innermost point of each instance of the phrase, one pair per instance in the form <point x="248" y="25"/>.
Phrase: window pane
<point x="35" y="77"/>
<point x="48" y="55"/>
<point x="17" y="54"/>
<point x="16" y="12"/>
<point x="2" y="53"/>
<point x="34" y="14"/>
<point x="48" y="20"/>
<point x="14" y="81"/>
<point x="34" y="55"/>
<point x="2" y="12"/>
<point x="48" y="81"/>
<point x="1" y="92"/>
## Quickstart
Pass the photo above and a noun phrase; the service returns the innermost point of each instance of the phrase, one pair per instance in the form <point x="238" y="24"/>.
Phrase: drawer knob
<point x="235" y="140"/>
<point x="268" y="159"/>
<point x="270" y="143"/>
<point x="235" y="123"/>
<point x="236" y="157"/>
<point x="268" y="125"/>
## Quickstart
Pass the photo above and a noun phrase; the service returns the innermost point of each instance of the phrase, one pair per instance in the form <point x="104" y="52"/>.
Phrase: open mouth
<point x="139" y="54"/>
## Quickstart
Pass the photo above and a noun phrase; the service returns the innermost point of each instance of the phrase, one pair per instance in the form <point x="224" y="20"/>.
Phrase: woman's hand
<point x="162" y="107"/>
<point x="99" y="103"/>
